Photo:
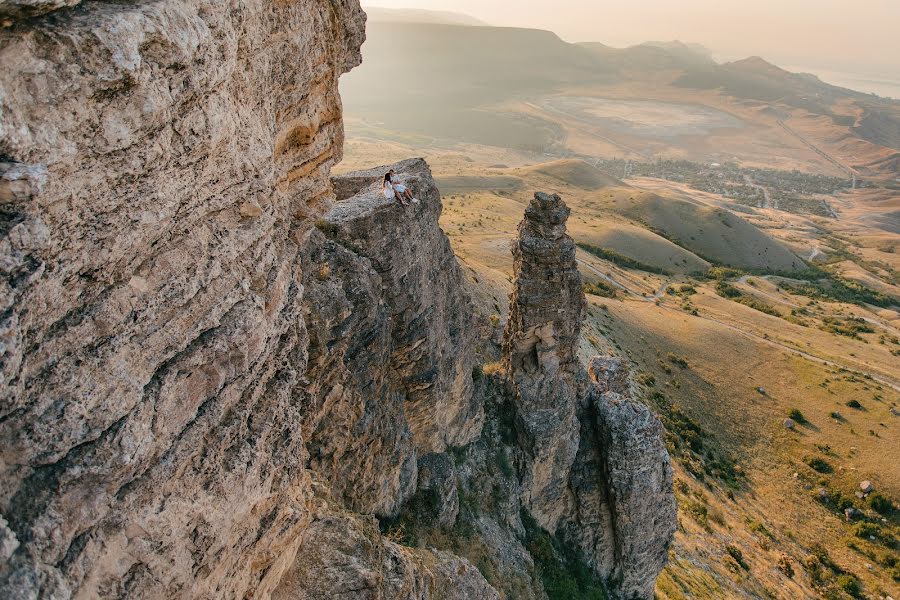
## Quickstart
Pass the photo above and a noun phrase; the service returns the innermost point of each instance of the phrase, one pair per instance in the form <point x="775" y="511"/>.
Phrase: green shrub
<point x="854" y="404"/>
<point x="867" y="531"/>
<point x="620" y="259"/>
<point x="600" y="288"/>
<point x="881" y="504"/>
<point x="797" y="416"/>
<point x="850" y="584"/>
<point x="737" y="555"/>
<point x="564" y="575"/>
<point x="818" y="464"/>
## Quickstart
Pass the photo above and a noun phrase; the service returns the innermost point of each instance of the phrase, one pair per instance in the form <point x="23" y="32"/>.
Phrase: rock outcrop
<point x="597" y="471"/>
<point x="226" y="375"/>
<point x="540" y="346"/>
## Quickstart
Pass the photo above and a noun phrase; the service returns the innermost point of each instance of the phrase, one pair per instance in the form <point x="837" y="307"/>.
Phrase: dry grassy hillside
<point x="725" y="356"/>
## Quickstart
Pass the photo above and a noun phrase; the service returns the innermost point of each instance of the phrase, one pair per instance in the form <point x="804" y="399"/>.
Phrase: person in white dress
<point x="402" y="190"/>
<point x="389" y="191"/>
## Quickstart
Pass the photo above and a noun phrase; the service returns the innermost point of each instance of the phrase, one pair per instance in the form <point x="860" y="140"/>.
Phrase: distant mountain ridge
<point x="455" y="74"/>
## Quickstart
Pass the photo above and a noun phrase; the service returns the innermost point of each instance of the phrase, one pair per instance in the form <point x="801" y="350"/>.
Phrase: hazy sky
<point x="861" y="36"/>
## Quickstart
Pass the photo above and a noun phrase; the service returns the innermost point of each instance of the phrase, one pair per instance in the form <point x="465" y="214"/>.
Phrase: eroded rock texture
<point x="597" y="469"/>
<point x="540" y="352"/>
<point x="159" y="159"/>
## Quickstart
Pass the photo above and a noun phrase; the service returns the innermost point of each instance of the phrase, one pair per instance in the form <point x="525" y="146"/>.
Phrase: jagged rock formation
<point x="597" y="468"/>
<point x="540" y="352"/>
<point x="224" y="373"/>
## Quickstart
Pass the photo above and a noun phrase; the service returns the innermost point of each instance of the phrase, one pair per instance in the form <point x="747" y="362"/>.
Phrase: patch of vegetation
<point x="797" y="416"/>
<point x="835" y="500"/>
<point x="849" y="327"/>
<point x="855" y="404"/>
<point x="850" y="584"/>
<point x="726" y="290"/>
<point x="785" y="566"/>
<point x="830" y="287"/>
<point x="720" y="273"/>
<point x="600" y="288"/>
<point x="563" y="573"/>
<point x="329" y="229"/>
<point x="881" y="504"/>
<point x="683" y="291"/>
<point x="676" y="360"/>
<point x="621" y="260"/>
<point x="830" y="578"/>
<point x="735" y="553"/>
<point x="492" y="368"/>
<point x="818" y="464"/>
<point x="697" y="511"/>
<point x="700" y="453"/>
<point x="877" y="533"/>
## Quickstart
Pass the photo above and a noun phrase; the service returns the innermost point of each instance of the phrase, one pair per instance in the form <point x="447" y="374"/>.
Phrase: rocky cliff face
<point x="162" y="165"/>
<point x="225" y="375"/>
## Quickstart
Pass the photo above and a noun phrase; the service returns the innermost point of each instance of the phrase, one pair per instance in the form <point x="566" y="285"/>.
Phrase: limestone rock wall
<point x="539" y="352"/>
<point x="391" y="343"/>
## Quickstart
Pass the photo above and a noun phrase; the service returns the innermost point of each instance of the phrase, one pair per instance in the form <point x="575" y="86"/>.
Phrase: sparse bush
<point x="738" y="556"/>
<point x="854" y="404"/>
<point x="677" y="360"/>
<point x="785" y="566"/>
<point x="600" y="288"/>
<point x="881" y="504"/>
<point x="867" y="531"/>
<point x="850" y="584"/>
<point x="329" y="229"/>
<point x="621" y="260"/>
<point x="849" y="327"/>
<point x="726" y="290"/>
<point x="820" y="465"/>
<point x="797" y="416"/>
<point x="647" y="379"/>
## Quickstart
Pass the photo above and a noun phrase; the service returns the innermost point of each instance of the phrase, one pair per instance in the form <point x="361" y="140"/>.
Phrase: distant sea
<point x="860" y="82"/>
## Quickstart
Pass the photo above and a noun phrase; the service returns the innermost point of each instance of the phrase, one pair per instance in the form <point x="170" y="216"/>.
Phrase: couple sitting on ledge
<point x="393" y="189"/>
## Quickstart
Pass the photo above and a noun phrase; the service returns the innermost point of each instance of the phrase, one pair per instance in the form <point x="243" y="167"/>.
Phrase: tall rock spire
<point x="540" y="347"/>
<point x="597" y="471"/>
<point x="545" y="307"/>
